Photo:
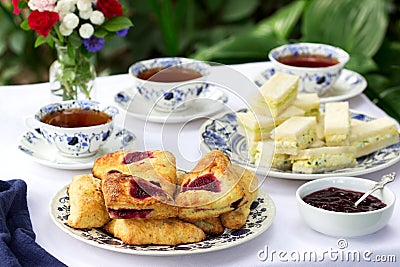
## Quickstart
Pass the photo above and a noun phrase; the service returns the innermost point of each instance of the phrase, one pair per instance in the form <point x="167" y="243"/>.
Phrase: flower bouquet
<point x="76" y="29"/>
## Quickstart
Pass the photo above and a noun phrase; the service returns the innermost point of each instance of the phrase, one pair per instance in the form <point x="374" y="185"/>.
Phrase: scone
<point x="127" y="196"/>
<point x="155" y="232"/>
<point x="211" y="226"/>
<point x="87" y="208"/>
<point x="135" y="162"/>
<point x="210" y="189"/>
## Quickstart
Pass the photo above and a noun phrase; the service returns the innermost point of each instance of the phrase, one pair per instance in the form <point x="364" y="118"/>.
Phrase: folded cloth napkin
<point x="17" y="239"/>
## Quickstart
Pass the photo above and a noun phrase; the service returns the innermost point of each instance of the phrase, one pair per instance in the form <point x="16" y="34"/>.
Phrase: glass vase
<point x="72" y="75"/>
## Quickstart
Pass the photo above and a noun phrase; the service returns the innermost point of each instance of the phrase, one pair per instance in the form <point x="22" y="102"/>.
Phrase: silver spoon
<point x="387" y="178"/>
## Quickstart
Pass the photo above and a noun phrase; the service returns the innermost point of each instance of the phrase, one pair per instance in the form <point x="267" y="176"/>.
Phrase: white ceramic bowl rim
<point x="341" y="55"/>
<point x="327" y="185"/>
<point x="202" y="67"/>
<point x="58" y="106"/>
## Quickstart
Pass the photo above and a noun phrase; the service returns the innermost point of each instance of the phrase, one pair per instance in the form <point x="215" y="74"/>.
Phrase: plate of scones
<point x="287" y="134"/>
<point x="138" y="202"/>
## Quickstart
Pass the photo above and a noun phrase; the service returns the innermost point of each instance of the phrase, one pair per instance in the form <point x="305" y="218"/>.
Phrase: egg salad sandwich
<point x="309" y="102"/>
<point x="321" y="159"/>
<point x="279" y="92"/>
<point x="254" y="127"/>
<point x="373" y="135"/>
<point x="263" y="156"/>
<point x="294" y="134"/>
<point x="337" y="124"/>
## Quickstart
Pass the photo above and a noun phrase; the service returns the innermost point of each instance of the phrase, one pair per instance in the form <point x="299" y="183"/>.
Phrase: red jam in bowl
<point x="341" y="200"/>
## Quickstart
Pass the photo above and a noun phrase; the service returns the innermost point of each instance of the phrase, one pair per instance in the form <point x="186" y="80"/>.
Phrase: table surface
<point x="287" y="237"/>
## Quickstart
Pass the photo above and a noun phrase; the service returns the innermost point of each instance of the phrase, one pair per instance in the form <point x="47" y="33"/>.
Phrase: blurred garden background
<point x="230" y="32"/>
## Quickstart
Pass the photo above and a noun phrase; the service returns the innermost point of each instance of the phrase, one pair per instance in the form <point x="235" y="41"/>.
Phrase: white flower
<point x="64" y="7"/>
<point x="86" y="30"/>
<point x="42" y="5"/>
<point x="64" y="30"/>
<point x="97" y="17"/>
<point x="70" y="21"/>
<point x="84" y="5"/>
<point x="85" y="14"/>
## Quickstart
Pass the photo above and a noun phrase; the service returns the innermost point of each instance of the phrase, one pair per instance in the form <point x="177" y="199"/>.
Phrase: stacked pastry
<point x="287" y="131"/>
<point x="140" y="198"/>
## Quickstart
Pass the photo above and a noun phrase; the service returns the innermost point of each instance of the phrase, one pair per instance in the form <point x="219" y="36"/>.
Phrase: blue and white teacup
<point x="311" y="79"/>
<point x="74" y="141"/>
<point x="170" y="96"/>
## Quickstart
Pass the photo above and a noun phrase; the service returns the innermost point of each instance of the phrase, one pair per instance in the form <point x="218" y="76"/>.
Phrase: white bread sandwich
<point x="321" y="159"/>
<point x="254" y="127"/>
<point x="291" y="111"/>
<point x="373" y="135"/>
<point x="294" y="134"/>
<point x="337" y="124"/>
<point x="279" y="92"/>
<point x="263" y="156"/>
<point x="309" y="102"/>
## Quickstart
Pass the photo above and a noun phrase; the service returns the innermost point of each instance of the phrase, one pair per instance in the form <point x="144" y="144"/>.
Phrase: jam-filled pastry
<point x="129" y="196"/>
<point x="211" y="226"/>
<point x="135" y="162"/>
<point x="237" y="218"/>
<point x="87" y="208"/>
<point x="154" y="232"/>
<point x="210" y="189"/>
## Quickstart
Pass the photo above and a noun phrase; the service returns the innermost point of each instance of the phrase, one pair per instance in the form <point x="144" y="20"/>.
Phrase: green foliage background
<point x="229" y="32"/>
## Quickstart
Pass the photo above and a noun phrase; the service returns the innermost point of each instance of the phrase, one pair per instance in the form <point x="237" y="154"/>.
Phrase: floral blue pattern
<point x="220" y="133"/>
<point x="260" y="219"/>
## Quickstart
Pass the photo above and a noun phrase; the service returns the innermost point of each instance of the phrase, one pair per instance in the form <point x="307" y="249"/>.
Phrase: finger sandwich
<point x="263" y="156"/>
<point x="309" y="102"/>
<point x="254" y="128"/>
<point x="294" y="134"/>
<point x="280" y="91"/>
<point x="321" y="159"/>
<point x="337" y="124"/>
<point x="373" y="135"/>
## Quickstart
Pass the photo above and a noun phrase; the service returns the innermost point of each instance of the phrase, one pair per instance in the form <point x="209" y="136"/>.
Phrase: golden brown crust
<point x="128" y="196"/>
<point x="109" y="162"/>
<point x="87" y="209"/>
<point x="196" y="204"/>
<point x="211" y="226"/>
<point x="155" y="232"/>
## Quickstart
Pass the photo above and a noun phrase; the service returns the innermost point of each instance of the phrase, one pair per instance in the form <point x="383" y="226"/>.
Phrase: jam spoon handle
<point x="387" y="178"/>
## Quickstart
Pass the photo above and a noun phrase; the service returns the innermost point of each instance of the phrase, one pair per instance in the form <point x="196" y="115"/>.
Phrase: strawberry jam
<point x="341" y="200"/>
<point x="206" y="182"/>
<point x="136" y="156"/>
<point x="142" y="189"/>
<point x="129" y="213"/>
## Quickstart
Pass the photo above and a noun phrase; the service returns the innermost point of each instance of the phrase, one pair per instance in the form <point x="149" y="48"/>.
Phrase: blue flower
<point x="122" y="33"/>
<point x="93" y="44"/>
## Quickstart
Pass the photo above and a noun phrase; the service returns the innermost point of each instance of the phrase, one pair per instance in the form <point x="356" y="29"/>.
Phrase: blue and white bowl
<point x="311" y="80"/>
<point x="170" y="96"/>
<point x="74" y="142"/>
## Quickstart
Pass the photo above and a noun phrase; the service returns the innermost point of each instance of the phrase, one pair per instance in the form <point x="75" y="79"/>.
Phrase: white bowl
<point x="170" y="96"/>
<point x="311" y="80"/>
<point x="341" y="224"/>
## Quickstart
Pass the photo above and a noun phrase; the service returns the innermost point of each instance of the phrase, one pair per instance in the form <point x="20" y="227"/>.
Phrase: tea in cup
<point x="78" y="128"/>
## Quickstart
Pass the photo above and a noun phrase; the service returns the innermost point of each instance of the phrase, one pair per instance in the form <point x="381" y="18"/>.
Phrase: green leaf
<point x="41" y="40"/>
<point x="357" y="26"/>
<point x="236" y="10"/>
<point x="255" y="45"/>
<point x="75" y="40"/>
<point x="117" y="24"/>
<point x="100" y="33"/>
<point x="24" y="25"/>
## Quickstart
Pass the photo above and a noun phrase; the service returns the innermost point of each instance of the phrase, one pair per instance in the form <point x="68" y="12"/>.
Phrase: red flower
<point x="42" y="22"/>
<point x="16" y="9"/>
<point x="110" y="8"/>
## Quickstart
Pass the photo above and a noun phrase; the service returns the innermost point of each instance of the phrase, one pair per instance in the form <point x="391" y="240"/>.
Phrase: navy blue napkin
<point x="17" y="239"/>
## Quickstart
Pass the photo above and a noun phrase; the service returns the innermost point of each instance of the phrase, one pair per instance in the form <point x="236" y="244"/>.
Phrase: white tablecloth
<point x="287" y="238"/>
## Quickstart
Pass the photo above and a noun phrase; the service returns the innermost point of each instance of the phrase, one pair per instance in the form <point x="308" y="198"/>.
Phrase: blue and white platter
<point x="349" y="84"/>
<point x="33" y="145"/>
<point x="260" y="219"/>
<point x="210" y="101"/>
<point x="221" y="133"/>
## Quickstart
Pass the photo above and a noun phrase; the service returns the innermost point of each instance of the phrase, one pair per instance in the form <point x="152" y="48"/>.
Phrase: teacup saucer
<point x="210" y="101"/>
<point x="33" y="145"/>
<point x="348" y="84"/>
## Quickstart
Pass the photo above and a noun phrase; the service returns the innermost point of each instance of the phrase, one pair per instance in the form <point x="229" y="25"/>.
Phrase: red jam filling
<point x="341" y="200"/>
<point x="129" y="213"/>
<point x="141" y="189"/>
<point x="206" y="182"/>
<point x="137" y="156"/>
